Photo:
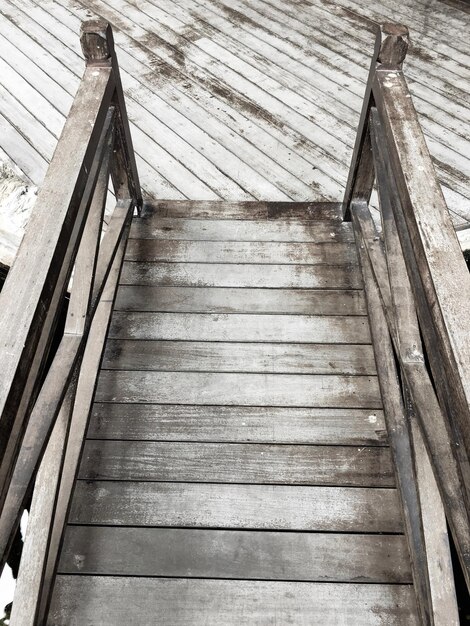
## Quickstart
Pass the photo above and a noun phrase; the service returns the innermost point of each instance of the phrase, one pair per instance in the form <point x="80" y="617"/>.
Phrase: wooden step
<point x="155" y="227"/>
<point x="105" y="600"/>
<point x="218" y="356"/>
<point x="242" y="275"/>
<point x="212" y="505"/>
<point x="267" y="252"/>
<point x="236" y="327"/>
<point x="250" y="210"/>
<point x="235" y="554"/>
<point x="227" y="300"/>
<point x="237" y="463"/>
<point x="238" y="389"/>
<point x="173" y="422"/>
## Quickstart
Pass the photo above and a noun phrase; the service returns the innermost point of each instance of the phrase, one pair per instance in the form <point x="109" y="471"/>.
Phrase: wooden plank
<point x="232" y="603"/>
<point x="241" y="252"/>
<point x="34" y="554"/>
<point x="172" y="422"/>
<point x="237" y="463"/>
<point x="441" y="576"/>
<point x="226" y="300"/>
<point x="244" y="275"/>
<point x="399" y="433"/>
<point x="435" y="245"/>
<point x="45" y="245"/>
<point x="54" y="481"/>
<point x="275" y="507"/>
<point x="240" y="230"/>
<point x="246" y="328"/>
<point x="227" y="554"/>
<point x="197" y="209"/>
<point x="239" y="389"/>
<point x="239" y="357"/>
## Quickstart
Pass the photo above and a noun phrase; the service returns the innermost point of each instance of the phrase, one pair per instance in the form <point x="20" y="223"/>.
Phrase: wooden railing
<point x="418" y="293"/>
<point x="43" y="417"/>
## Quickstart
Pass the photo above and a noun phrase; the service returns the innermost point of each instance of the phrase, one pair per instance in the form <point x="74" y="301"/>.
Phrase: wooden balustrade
<point x="42" y="419"/>
<point x="418" y="289"/>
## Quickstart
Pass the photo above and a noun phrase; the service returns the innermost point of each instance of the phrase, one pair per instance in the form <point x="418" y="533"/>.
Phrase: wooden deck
<point x="236" y="468"/>
<point x="238" y="99"/>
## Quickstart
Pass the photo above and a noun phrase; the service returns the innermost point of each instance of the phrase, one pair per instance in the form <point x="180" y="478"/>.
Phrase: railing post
<point x="96" y="38"/>
<point x="390" y="50"/>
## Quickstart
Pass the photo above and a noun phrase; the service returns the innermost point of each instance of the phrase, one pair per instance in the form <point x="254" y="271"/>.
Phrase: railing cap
<point x="96" y="38"/>
<point x="394" y="41"/>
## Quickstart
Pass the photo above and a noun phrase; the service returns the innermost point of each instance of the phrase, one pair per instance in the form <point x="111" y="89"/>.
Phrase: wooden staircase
<point x="258" y="413"/>
<point x="236" y="466"/>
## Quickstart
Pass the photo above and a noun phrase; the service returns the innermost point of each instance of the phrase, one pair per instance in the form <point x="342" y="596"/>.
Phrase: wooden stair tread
<point x="237" y="443"/>
<point x="242" y="275"/>
<point x="237" y="463"/>
<point x="179" y="602"/>
<point x="170" y="552"/>
<point x="265" y="252"/>
<point x="154" y="227"/>
<point x="235" y="300"/>
<point x="212" y="505"/>
<point x="252" y="210"/>
<point x="238" y="389"/>
<point x="240" y="327"/>
<point x="219" y="356"/>
<point x="173" y="422"/>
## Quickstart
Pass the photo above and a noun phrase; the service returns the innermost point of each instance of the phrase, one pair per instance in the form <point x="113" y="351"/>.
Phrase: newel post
<point x="391" y="46"/>
<point x="96" y="38"/>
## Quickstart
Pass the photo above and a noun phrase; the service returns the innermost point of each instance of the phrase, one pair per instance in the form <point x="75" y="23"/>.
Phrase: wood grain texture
<point x="235" y="554"/>
<point x="242" y="275"/>
<point x="246" y="328"/>
<point x="238" y="389"/>
<point x="237" y="463"/>
<point x="240" y="230"/>
<point x="104" y="600"/>
<point x="268" y="252"/>
<point x="275" y="507"/>
<point x="215" y="356"/>
<point x="172" y="422"/>
<point x="226" y="300"/>
<point x="222" y="210"/>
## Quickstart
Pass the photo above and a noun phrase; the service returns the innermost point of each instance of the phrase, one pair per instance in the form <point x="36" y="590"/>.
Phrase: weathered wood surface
<point x="56" y="474"/>
<point x="227" y="300"/>
<point x="235" y="327"/>
<point x="449" y="460"/>
<point x="212" y="432"/>
<point x="235" y="554"/>
<point x="445" y="282"/>
<point x="268" y="252"/>
<point x="175" y="601"/>
<point x="276" y="507"/>
<point x="238" y="389"/>
<point x="172" y="422"/>
<point x="241" y="230"/>
<point x="29" y="309"/>
<point x="221" y="210"/>
<point x="242" y="275"/>
<point x="314" y="57"/>
<point x="217" y="356"/>
<point x="237" y="463"/>
<point x="398" y="429"/>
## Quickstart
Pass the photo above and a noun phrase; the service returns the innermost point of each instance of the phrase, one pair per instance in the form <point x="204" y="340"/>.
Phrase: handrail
<point x="63" y="237"/>
<point x="417" y="289"/>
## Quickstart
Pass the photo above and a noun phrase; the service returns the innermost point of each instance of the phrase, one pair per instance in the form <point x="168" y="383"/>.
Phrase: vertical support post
<point x="391" y="46"/>
<point x="96" y="38"/>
